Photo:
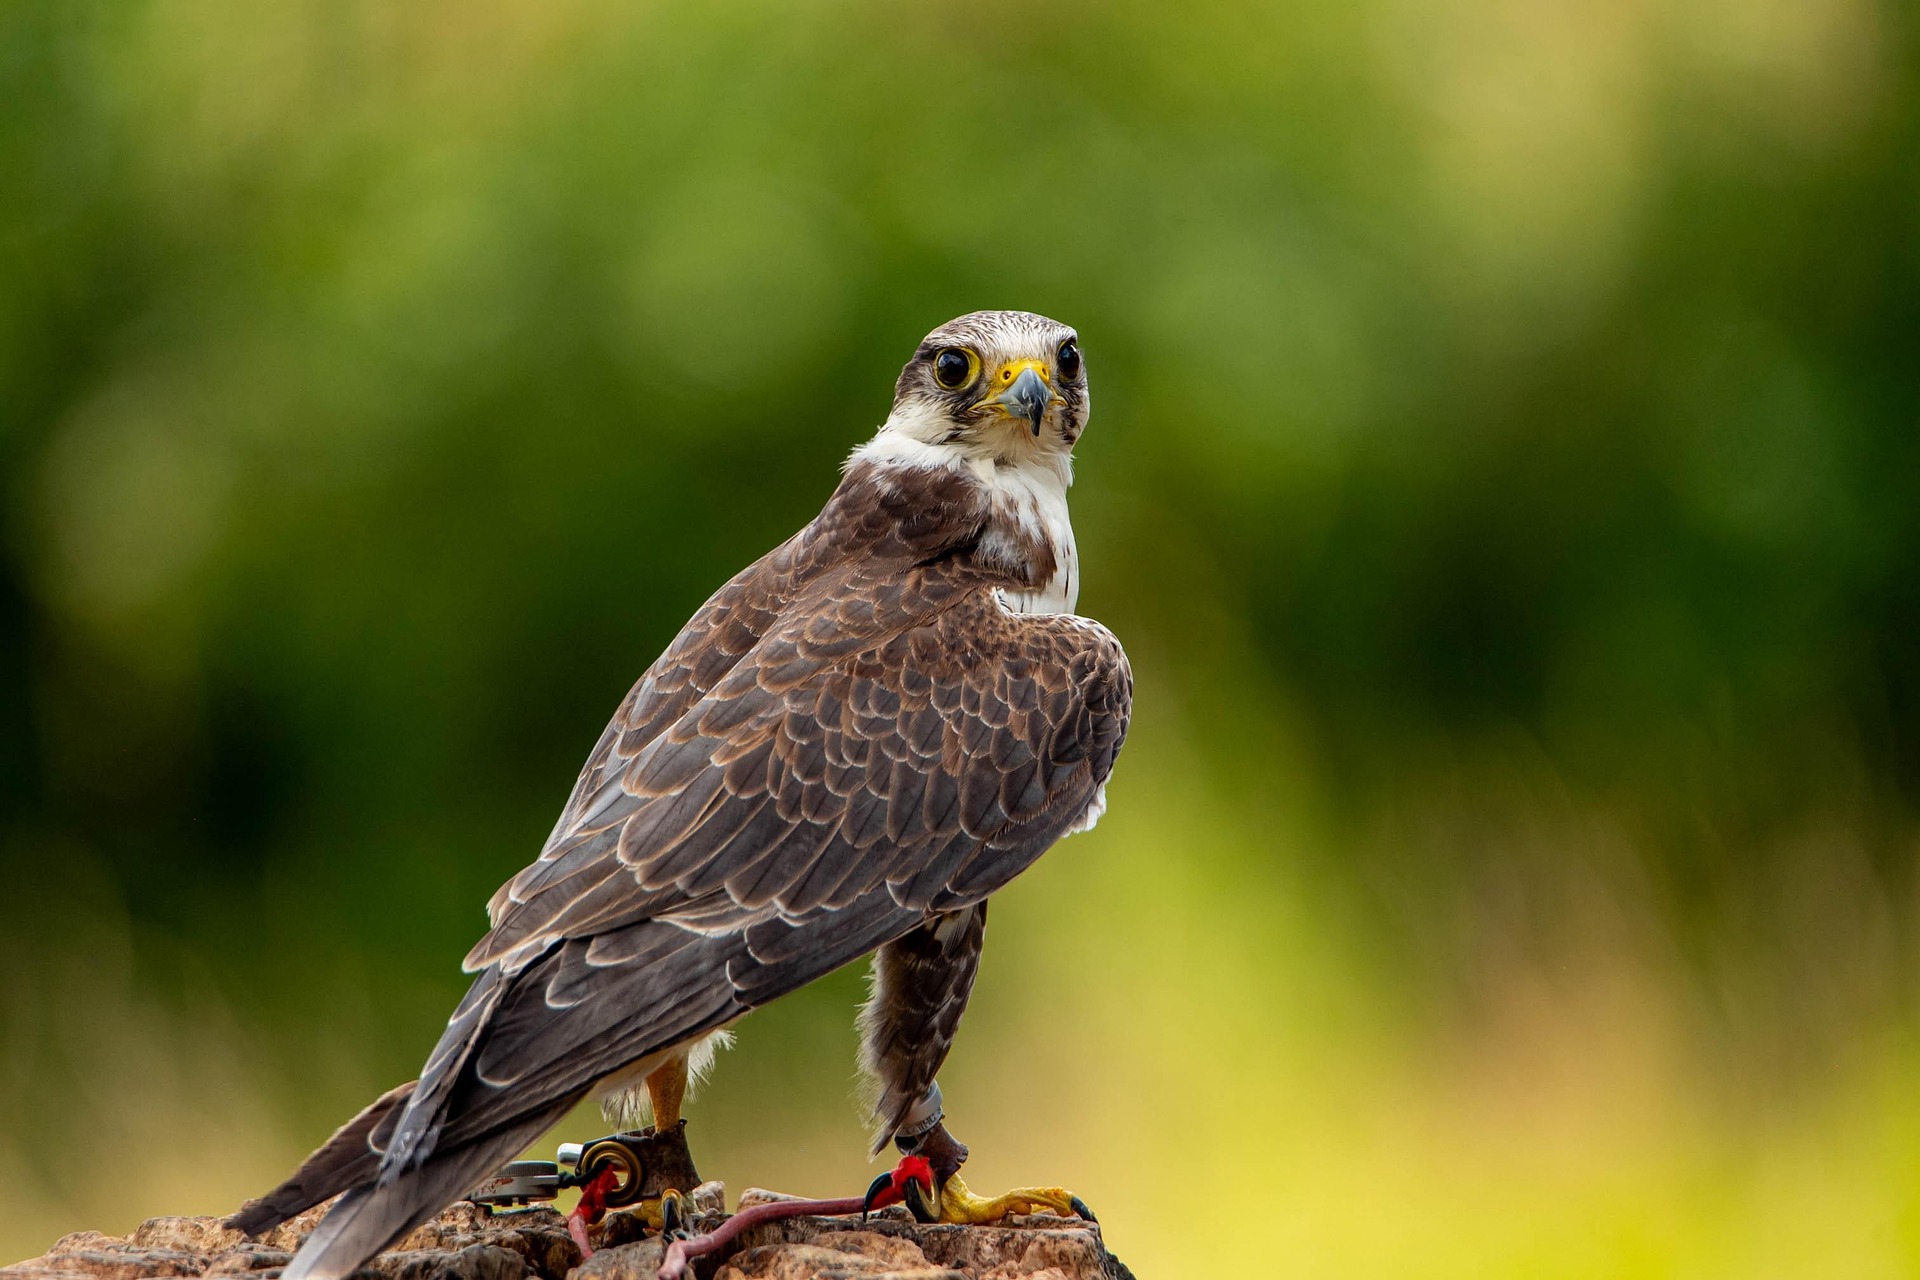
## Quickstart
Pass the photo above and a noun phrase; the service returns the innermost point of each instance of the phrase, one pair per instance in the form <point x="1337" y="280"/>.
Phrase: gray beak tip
<point x="1028" y="398"/>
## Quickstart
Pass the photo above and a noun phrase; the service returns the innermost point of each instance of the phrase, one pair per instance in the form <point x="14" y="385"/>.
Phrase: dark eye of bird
<point x="1069" y="359"/>
<point x="951" y="368"/>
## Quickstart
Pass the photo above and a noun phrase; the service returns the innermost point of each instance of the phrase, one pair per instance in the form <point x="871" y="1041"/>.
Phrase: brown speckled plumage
<point x="851" y="741"/>
<point x="921" y="982"/>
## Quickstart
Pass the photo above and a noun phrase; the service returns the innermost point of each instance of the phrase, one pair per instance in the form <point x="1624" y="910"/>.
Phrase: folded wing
<point x="895" y="747"/>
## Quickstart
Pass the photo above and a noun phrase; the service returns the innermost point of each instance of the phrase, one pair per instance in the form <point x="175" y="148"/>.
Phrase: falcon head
<point x="999" y="384"/>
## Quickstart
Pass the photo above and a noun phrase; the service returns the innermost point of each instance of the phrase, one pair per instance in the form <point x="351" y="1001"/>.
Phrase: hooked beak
<point x="1027" y="396"/>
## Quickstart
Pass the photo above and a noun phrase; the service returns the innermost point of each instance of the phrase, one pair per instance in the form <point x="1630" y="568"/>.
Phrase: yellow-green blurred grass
<point x="1177" y="1021"/>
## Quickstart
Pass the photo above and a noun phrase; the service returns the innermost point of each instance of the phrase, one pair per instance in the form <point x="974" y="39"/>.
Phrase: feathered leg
<point x="920" y="987"/>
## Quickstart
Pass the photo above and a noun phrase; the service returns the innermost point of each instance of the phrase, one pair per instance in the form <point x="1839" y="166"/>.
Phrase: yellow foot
<point x="959" y="1204"/>
<point x="665" y="1213"/>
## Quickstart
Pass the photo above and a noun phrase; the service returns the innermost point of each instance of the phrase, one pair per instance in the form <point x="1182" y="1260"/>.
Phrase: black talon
<point x="672" y="1225"/>
<point x="917" y="1203"/>
<point x="880" y="1185"/>
<point x="1079" y="1206"/>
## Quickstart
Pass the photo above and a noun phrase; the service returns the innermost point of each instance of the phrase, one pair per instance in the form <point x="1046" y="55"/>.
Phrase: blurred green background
<point x="1503" y="474"/>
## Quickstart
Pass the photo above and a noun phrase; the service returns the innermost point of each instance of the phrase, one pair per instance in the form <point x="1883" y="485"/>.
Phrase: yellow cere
<point x="1008" y="372"/>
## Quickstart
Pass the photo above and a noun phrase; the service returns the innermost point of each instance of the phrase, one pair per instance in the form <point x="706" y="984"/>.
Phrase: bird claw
<point x="666" y="1214"/>
<point x="922" y="1203"/>
<point x="912" y="1183"/>
<point x="959" y="1204"/>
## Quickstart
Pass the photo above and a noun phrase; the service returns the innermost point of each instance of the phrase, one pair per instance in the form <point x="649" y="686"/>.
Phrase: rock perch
<point x="468" y="1243"/>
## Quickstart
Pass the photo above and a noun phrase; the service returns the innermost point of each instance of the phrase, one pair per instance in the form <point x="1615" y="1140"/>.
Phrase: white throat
<point x="1031" y="497"/>
<point x="1027" y="486"/>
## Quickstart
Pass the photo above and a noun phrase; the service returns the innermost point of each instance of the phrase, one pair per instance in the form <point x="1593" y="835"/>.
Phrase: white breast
<point x="1033" y="498"/>
<point x="1028" y="492"/>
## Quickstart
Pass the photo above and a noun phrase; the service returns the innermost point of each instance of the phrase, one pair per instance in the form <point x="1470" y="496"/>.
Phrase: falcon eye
<point x="953" y="368"/>
<point x="1069" y="359"/>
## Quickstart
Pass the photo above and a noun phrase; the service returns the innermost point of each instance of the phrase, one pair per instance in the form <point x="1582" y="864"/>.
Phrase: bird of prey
<point x="852" y="745"/>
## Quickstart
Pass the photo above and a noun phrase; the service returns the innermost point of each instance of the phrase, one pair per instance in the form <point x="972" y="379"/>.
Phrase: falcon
<point x="849" y="749"/>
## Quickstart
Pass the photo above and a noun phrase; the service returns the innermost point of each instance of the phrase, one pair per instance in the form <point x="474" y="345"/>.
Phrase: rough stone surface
<point x="468" y="1243"/>
<point x="1041" y="1246"/>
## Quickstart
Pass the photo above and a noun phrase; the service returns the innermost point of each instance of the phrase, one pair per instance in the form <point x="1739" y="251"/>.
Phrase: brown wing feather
<point x="866" y="517"/>
<point x="894" y="744"/>
<point x="811" y="774"/>
<point x="347" y="1159"/>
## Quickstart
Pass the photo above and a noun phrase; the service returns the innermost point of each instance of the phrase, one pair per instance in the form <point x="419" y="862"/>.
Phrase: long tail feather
<point x="374" y="1216"/>
<point x="347" y="1159"/>
<point x="419" y="1125"/>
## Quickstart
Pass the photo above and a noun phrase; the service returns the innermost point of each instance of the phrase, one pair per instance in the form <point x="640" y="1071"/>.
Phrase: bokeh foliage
<point x="1503" y="473"/>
